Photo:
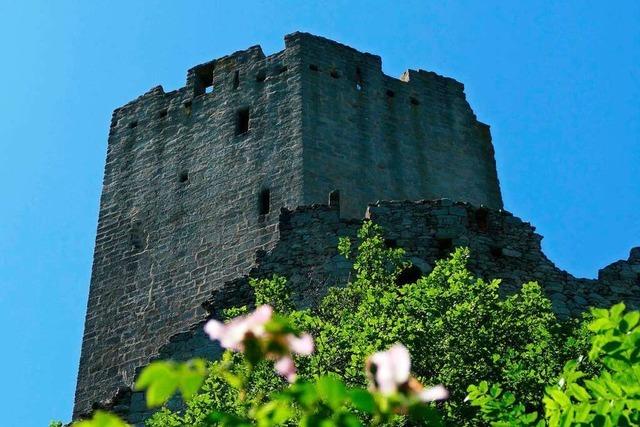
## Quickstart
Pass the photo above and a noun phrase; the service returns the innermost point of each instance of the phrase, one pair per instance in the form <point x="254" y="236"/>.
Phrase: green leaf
<point x="348" y="420"/>
<point x="611" y="346"/>
<point x="617" y="310"/>
<point x="598" y="389"/>
<point x="632" y="318"/>
<point x="331" y="390"/>
<point x="160" y="381"/>
<point x="578" y="392"/>
<point x="362" y="400"/>
<point x="599" y="312"/>
<point x="559" y="397"/>
<point x="273" y="413"/>
<point x="190" y="377"/>
<point x="583" y="412"/>
<point x="601" y="324"/>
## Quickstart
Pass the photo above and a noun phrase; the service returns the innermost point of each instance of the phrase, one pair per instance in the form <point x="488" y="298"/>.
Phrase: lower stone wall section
<point x="502" y="246"/>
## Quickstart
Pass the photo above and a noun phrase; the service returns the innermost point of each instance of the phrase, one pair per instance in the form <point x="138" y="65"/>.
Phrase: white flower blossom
<point x="233" y="334"/>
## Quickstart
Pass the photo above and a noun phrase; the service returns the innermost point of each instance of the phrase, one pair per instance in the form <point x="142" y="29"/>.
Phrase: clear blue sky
<point x="557" y="81"/>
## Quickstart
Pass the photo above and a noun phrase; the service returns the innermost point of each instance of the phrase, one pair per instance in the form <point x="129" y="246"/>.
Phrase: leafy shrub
<point x="508" y="353"/>
<point x="611" y="398"/>
<point x="260" y="336"/>
<point x="457" y="327"/>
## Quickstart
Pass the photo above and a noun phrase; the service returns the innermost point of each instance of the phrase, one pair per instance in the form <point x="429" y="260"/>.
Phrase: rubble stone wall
<point x="502" y="246"/>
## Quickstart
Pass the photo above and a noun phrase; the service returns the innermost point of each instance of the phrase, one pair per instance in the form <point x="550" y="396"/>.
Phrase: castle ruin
<point x="256" y="166"/>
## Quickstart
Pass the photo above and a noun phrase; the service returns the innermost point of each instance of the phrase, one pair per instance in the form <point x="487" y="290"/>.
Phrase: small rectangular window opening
<point x="334" y="198"/>
<point x="445" y="246"/>
<point x="136" y="237"/>
<point x="133" y="124"/>
<point x="203" y="80"/>
<point x="482" y="219"/>
<point x="261" y="76"/>
<point x="242" y="121"/>
<point x="390" y="93"/>
<point x="236" y="79"/>
<point x="359" y="82"/>
<point x="187" y="107"/>
<point x="264" y="201"/>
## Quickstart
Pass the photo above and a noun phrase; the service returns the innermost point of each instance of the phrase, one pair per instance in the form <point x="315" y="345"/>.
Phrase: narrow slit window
<point x="359" y="82"/>
<point x="264" y="201"/>
<point x="236" y="79"/>
<point x="183" y="176"/>
<point x="136" y="238"/>
<point x="334" y="198"/>
<point x="242" y="121"/>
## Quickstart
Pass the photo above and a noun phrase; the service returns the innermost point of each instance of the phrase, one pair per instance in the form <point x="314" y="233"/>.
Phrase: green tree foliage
<point x="519" y="364"/>
<point x="610" y="398"/>
<point x="456" y="326"/>
<point x="613" y="397"/>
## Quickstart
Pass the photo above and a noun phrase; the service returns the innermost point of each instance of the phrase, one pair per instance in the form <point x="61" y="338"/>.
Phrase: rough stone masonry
<point x="256" y="166"/>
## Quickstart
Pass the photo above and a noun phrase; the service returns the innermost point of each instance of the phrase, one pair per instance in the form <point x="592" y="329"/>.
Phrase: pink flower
<point x="302" y="345"/>
<point x="391" y="368"/>
<point x="390" y="372"/>
<point x="434" y="393"/>
<point x="286" y="368"/>
<point x="232" y="334"/>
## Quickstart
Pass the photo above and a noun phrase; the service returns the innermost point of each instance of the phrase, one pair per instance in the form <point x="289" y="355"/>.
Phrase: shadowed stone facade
<point x="195" y="180"/>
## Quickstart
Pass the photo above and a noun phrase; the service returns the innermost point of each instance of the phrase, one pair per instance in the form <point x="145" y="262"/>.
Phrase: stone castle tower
<point x="195" y="180"/>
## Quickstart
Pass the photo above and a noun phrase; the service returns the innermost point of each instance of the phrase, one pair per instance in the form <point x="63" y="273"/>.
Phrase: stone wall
<point x="375" y="137"/>
<point x="180" y="211"/>
<point x="502" y="246"/>
<point x="194" y="179"/>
